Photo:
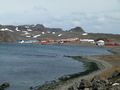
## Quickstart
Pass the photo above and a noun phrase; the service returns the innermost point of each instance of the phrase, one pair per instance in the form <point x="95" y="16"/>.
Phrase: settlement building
<point x="100" y="43"/>
<point x="87" y="40"/>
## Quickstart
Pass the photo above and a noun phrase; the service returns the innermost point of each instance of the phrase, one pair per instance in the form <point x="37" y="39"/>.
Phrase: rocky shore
<point x="90" y="67"/>
<point x="97" y="83"/>
<point x="93" y="67"/>
<point x="102" y="65"/>
<point x="106" y="77"/>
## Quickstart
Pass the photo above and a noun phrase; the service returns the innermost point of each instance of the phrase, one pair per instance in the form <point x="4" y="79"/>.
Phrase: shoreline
<point x="93" y="67"/>
<point x="102" y="65"/>
<point x="108" y="64"/>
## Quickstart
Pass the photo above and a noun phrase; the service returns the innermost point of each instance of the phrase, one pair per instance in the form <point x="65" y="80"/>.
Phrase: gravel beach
<point x="103" y="66"/>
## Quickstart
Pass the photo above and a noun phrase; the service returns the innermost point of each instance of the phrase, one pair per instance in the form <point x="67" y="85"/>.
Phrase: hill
<point x="77" y="29"/>
<point x="12" y="33"/>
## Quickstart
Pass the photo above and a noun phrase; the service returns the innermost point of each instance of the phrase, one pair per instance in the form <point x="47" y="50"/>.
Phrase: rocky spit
<point x="96" y="83"/>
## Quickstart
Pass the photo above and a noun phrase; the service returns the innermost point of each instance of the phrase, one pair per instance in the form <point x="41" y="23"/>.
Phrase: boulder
<point x="71" y="88"/>
<point x="98" y="84"/>
<point x="4" y="85"/>
<point x="115" y="75"/>
<point x="84" y="84"/>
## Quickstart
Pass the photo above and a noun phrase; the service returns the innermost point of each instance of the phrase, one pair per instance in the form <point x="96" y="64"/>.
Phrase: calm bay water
<point x="30" y="65"/>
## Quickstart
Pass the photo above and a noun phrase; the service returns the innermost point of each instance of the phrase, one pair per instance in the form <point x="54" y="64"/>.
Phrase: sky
<point x="101" y="16"/>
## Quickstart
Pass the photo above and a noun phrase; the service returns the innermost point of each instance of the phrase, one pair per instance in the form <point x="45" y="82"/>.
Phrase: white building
<point x="100" y="43"/>
<point x="87" y="40"/>
<point x="28" y="41"/>
<point x="29" y="30"/>
<point x="85" y="34"/>
<point x="28" y="36"/>
<point x="53" y="32"/>
<point x="59" y="35"/>
<point x="43" y="32"/>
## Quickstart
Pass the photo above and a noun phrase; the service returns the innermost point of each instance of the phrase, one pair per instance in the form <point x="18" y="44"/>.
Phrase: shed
<point x="100" y="42"/>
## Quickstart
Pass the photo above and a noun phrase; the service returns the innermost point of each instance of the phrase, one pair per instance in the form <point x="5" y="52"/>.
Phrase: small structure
<point x="44" y="42"/>
<point x="53" y="32"/>
<point x="21" y="41"/>
<point x="100" y="42"/>
<point x="85" y="34"/>
<point x="28" y="41"/>
<point x="29" y="30"/>
<point x="28" y="36"/>
<point x="59" y="35"/>
<point x="43" y="33"/>
<point x="48" y="32"/>
<point x="88" y="40"/>
<point x="68" y="40"/>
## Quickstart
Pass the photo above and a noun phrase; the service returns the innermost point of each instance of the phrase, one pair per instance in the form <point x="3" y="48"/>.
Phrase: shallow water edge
<point x="89" y="65"/>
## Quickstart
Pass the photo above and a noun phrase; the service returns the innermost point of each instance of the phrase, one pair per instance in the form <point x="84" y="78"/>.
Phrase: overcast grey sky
<point x="92" y="15"/>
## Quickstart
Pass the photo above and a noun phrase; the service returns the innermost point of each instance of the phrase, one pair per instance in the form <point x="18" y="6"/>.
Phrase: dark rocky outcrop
<point x="4" y="86"/>
<point x="77" y="29"/>
<point x="115" y="75"/>
<point x="39" y="27"/>
<point x="54" y="29"/>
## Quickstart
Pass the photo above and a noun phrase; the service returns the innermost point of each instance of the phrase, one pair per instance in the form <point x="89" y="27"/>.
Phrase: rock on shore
<point x="97" y="83"/>
<point x="4" y="86"/>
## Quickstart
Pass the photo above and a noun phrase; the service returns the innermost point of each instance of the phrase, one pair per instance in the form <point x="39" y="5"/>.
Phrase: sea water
<point x="26" y="65"/>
